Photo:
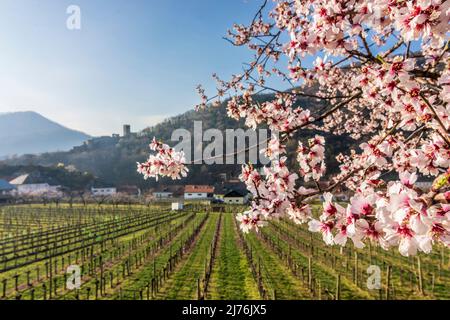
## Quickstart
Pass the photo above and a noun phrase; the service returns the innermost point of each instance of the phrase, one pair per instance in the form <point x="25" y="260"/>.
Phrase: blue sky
<point x="133" y="61"/>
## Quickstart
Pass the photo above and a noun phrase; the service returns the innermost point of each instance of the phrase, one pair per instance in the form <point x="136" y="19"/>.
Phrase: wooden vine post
<point x="338" y="287"/>
<point x="388" y="281"/>
<point x="419" y="268"/>
<point x="310" y="273"/>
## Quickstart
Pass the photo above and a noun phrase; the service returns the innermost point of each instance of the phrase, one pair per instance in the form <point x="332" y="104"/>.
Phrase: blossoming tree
<point x="382" y="69"/>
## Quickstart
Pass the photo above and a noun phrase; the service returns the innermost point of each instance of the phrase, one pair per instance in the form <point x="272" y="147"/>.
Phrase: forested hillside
<point x="113" y="159"/>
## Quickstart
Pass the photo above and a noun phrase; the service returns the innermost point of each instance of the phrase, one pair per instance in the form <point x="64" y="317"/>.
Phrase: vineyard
<point x="148" y="252"/>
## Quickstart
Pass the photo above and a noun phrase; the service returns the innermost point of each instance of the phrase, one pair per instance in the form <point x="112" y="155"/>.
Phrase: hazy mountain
<point x="30" y="133"/>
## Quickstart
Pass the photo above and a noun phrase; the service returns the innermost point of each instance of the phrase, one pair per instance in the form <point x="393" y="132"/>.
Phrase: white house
<point x="235" y="197"/>
<point x="38" y="189"/>
<point x="162" y="194"/>
<point x="198" y="192"/>
<point x="34" y="189"/>
<point x="103" y="191"/>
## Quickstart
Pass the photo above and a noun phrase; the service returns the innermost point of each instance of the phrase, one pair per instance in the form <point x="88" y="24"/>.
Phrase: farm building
<point x="38" y="189"/>
<point x="5" y="187"/>
<point x="129" y="190"/>
<point x="162" y="194"/>
<point x="103" y="191"/>
<point x="227" y="187"/>
<point x="194" y="192"/>
<point x="26" y="186"/>
<point x="235" y="197"/>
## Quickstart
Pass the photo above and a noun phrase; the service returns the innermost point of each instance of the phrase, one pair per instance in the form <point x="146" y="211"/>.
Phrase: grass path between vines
<point x="183" y="283"/>
<point x="231" y="276"/>
<point x="276" y="274"/>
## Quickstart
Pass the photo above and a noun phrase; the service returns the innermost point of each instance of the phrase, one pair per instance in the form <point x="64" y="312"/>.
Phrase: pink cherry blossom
<point x="380" y="74"/>
<point x="166" y="163"/>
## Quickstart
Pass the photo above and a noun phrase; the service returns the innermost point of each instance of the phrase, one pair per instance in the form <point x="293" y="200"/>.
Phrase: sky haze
<point x="134" y="62"/>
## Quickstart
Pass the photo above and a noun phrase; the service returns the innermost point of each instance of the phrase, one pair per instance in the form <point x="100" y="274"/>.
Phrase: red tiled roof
<point x="198" y="189"/>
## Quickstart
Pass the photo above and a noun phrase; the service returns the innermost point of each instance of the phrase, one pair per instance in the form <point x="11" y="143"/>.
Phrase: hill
<point x="113" y="159"/>
<point x="31" y="133"/>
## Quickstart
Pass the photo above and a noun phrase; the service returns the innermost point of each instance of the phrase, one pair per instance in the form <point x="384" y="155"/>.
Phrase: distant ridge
<point x="29" y="132"/>
<point x="113" y="159"/>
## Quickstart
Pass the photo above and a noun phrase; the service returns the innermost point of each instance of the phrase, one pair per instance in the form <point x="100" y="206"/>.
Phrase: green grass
<point x="231" y="277"/>
<point x="183" y="285"/>
<point x="141" y="278"/>
<point x="276" y="275"/>
<point x="279" y="252"/>
<point x="321" y="272"/>
<point x="400" y="288"/>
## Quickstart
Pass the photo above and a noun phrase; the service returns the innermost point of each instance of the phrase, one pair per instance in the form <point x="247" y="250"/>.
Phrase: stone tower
<point x="126" y="130"/>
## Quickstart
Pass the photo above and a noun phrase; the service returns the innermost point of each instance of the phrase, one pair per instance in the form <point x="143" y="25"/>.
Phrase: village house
<point x="225" y="188"/>
<point x="167" y="191"/>
<point x="6" y="188"/>
<point x="235" y="197"/>
<point x="99" y="192"/>
<point x="162" y="195"/>
<point x="198" y="192"/>
<point x="38" y="189"/>
<point x="26" y="187"/>
<point x="129" y="190"/>
<point x="6" y="191"/>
